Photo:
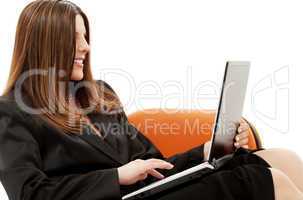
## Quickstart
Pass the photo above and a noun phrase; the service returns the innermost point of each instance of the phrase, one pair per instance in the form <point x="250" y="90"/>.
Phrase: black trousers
<point x="244" y="177"/>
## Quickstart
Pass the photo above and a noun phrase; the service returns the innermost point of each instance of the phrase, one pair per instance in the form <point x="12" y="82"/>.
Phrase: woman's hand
<point x="241" y="139"/>
<point x="138" y="170"/>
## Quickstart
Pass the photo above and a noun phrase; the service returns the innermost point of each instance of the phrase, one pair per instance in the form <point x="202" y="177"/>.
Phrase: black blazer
<point x="38" y="162"/>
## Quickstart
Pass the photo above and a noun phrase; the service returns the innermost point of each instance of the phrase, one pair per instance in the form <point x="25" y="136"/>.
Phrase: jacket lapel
<point x="118" y="148"/>
<point x="100" y="145"/>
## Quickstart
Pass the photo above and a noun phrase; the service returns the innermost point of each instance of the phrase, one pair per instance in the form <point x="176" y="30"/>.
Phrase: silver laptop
<point x="228" y="115"/>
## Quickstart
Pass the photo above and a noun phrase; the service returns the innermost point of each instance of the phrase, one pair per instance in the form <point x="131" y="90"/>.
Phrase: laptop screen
<point x="229" y="110"/>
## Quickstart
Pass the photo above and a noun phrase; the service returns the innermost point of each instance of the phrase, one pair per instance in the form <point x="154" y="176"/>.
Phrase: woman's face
<point x="82" y="48"/>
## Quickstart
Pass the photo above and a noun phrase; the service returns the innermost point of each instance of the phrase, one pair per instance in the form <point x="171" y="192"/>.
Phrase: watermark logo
<point x="270" y="100"/>
<point x="269" y="96"/>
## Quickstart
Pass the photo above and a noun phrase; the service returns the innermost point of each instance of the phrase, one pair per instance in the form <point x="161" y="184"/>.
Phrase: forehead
<point x="80" y="27"/>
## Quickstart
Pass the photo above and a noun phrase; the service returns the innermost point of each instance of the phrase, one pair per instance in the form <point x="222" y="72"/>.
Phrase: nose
<point x="84" y="46"/>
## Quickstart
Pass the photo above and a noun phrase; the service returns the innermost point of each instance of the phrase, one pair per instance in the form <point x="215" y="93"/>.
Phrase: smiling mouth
<point x="79" y="61"/>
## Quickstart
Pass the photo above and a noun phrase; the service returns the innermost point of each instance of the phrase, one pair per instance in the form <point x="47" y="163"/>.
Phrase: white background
<point x="166" y="41"/>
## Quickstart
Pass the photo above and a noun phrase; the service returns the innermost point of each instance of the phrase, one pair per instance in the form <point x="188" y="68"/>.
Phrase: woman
<point x="65" y="136"/>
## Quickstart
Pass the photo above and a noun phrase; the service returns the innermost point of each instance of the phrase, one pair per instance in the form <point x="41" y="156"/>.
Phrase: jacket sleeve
<point x="22" y="176"/>
<point x="181" y="161"/>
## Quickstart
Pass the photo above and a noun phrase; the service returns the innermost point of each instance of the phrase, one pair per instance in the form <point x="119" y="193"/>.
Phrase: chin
<point x="77" y="77"/>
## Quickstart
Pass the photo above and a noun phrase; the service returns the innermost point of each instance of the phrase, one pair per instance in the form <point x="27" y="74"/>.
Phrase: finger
<point x="243" y="127"/>
<point x="155" y="160"/>
<point x="157" y="163"/>
<point x="241" y="136"/>
<point x="237" y="145"/>
<point x="243" y="142"/>
<point x="155" y="173"/>
<point x="245" y="147"/>
<point x="243" y="121"/>
<point x="143" y="176"/>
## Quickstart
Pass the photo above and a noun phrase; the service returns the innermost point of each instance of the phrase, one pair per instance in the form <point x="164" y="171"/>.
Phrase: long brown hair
<point x="45" y="47"/>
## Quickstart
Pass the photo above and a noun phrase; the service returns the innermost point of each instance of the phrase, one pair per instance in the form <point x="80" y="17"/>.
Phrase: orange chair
<point x="175" y="131"/>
